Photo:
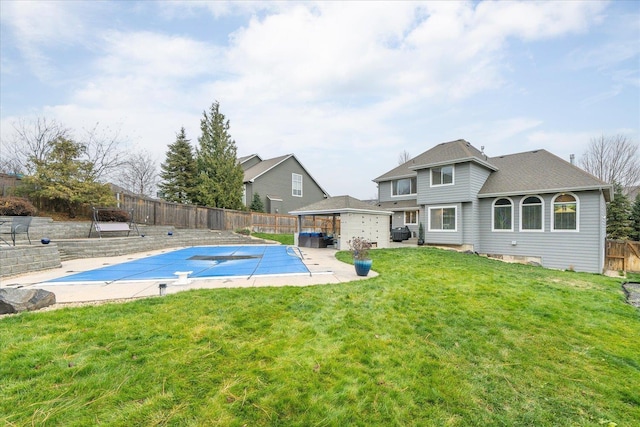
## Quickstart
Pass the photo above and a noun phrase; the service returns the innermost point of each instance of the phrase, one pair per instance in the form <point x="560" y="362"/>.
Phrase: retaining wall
<point x="26" y="259"/>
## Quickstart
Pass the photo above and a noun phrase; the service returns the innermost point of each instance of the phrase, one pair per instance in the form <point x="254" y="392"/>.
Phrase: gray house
<point x="282" y="183"/>
<point x="530" y="206"/>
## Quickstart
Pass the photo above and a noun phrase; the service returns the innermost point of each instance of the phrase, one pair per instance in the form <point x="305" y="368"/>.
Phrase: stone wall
<point x="25" y="259"/>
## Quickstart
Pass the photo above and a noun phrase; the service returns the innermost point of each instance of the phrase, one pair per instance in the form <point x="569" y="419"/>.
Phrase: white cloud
<point x="328" y="81"/>
<point x="34" y="27"/>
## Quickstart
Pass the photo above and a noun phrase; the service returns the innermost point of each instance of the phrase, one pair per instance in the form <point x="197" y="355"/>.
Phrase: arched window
<point x="565" y="212"/>
<point x="502" y="215"/>
<point x="531" y="214"/>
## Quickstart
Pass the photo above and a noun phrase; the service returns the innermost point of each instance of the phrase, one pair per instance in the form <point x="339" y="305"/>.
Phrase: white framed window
<point x="531" y="214"/>
<point x="443" y="218"/>
<point x="296" y="185"/>
<point x="565" y="212"/>
<point x="502" y="215"/>
<point x="404" y="186"/>
<point x="410" y="217"/>
<point x="443" y="175"/>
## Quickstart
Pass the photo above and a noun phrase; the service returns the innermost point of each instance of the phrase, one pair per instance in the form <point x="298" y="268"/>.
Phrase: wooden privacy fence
<point x="622" y="255"/>
<point x="159" y="212"/>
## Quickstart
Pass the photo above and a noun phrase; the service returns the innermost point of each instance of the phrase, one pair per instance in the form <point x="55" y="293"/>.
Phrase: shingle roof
<point x="537" y="171"/>
<point x="262" y="167"/>
<point x="243" y="159"/>
<point x="401" y="171"/>
<point x="339" y="204"/>
<point x="457" y="151"/>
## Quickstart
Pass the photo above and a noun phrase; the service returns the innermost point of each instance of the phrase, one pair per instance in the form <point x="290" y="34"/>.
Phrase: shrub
<point x="115" y="215"/>
<point x="359" y="247"/>
<point x="243" y="231"/>
<point x="16" y="206"/>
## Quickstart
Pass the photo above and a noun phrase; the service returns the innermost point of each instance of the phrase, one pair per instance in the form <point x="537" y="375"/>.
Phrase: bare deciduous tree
<point x="103" y="150"/>
<point x="30" y="142"/>
<point x="138" y="174"/>
<point x="404" y="157"/>
<point x="613" y="159"/>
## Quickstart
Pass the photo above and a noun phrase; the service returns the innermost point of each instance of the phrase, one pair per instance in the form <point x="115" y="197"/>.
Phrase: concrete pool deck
<point x="323" y="266"/>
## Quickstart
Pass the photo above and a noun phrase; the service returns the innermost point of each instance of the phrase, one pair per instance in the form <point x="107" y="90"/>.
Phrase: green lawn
<point x="439" y="338"/>
<point x="285" y="239"/>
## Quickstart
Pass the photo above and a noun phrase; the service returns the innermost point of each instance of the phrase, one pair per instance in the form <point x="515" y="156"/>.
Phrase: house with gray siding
<point x="531" y="206"/>
<point x="282" y="183"/>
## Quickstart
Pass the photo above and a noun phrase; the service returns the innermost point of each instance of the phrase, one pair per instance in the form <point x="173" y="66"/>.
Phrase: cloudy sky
<point x="345" y="86"/>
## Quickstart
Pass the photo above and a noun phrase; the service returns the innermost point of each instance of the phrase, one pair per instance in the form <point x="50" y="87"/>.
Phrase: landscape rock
<point x="15" y="300"/>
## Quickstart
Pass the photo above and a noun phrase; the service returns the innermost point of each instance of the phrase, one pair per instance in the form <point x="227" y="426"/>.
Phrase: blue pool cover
<point x="203" y="262"/>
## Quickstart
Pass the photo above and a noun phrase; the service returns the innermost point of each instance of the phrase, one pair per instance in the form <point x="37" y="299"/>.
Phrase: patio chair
<point x="19" y="225"/>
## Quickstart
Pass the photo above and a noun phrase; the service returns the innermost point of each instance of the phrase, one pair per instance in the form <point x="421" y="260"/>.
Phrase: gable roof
<point x="538" y="171"/>
<point x="446" y="153"/>
<point x="259" y="169"/>
<point x="263" y="167"/>
<point x="339" y="204"/>
<point x="244" y="159"/>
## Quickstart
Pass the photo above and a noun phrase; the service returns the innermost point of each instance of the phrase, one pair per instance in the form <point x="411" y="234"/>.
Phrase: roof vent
<point x="572" y="159"/>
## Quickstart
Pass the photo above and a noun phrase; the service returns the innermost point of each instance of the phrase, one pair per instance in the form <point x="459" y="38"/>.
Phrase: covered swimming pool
<point x="200" y="262"/>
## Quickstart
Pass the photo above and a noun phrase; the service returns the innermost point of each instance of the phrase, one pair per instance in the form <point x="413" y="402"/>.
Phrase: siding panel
<point x="468" y="180"/>
<point x="277" y="182"/>
<point x="581" y="251"/>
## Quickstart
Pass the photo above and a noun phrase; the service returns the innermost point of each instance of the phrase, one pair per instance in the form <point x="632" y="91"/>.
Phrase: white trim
<point x="553" y="202"/>
<point x="540" y="230"/>
<point x="453" y="176"/>
<point x="415" y="193"/>
<point x="493" y="213"/>
<point x="454" y="162"/>
<point x="544" y="191"/>
<point x="340" y="211"/>
<point x="293" y="186"/>
<point x="455" y="209"/>
<point x="404" y="217"/>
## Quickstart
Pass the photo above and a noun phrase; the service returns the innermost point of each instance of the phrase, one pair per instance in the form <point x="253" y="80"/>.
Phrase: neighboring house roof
<point x="254" y="172"/>
<point x="536" y="172"/>
<point x="339" y="204"/>
<point x="446" y="153"/>
<point x="264" y="166"/>
<point x="244" y="159"/>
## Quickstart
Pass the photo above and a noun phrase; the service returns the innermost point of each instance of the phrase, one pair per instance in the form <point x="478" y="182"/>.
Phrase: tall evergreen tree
<point x="619" y="215"/>
<point x="179" y="171"/>
<point x="220" y="176"/>
<point x="635" y="220"/>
